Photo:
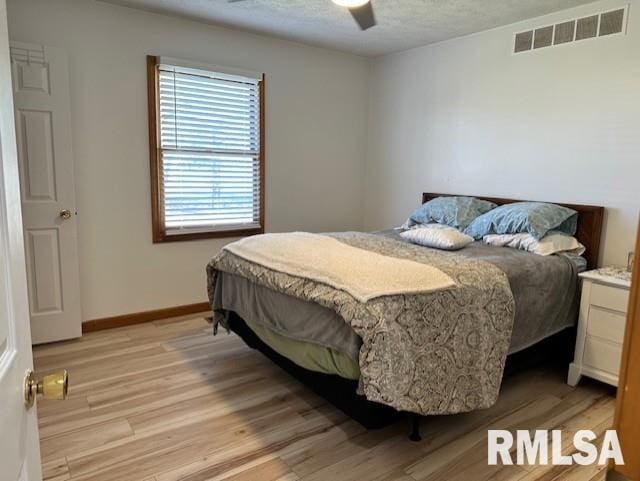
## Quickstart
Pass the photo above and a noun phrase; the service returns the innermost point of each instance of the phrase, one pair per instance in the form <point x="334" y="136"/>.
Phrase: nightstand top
<point x="613" y="276"/>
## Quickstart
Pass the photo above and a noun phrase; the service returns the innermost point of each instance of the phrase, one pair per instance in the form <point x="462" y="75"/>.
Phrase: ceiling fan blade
<point x="364" y="16"/>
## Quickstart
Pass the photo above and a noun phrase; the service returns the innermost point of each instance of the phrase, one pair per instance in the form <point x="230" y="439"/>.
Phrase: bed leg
<point x="415" y="429"/>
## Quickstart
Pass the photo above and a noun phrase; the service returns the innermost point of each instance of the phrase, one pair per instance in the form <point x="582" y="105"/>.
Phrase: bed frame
<point x="342" y="392"/>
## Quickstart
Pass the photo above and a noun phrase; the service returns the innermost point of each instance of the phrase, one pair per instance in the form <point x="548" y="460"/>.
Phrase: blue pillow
<point x="456" y="212"/>
<point x="535" y="218"/>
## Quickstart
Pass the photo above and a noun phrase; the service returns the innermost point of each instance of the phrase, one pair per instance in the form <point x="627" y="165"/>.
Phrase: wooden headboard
<point x="589" y="222"/>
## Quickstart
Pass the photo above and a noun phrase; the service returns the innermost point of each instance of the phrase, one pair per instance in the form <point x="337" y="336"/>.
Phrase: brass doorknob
<point x="65" y="214"/>
<point x="52" y="386"/>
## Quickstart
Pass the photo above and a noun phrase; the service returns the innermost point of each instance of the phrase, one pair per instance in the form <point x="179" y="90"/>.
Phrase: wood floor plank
<point x="93" y="354"/>
<point x="75" y="405"/>
<point x="289" y="477"/>
<point x="437" y="431"/>
<point x="93" y="374"/>
<point x="229" y="442"/>
<point x="159" y="330"/>
<point x="167" y="401"/>
<point x="126" y="408"/>
<point x="94" y="436"/>
<point x="271" y="470"/>
<point x="182" y="365"/>
<point x="384" y="460"/>
<point x="239" y="452"/>
<point x="339" y="445"/>
<point x="189" y="341"/>
<point x="162" y="451"/>
<point x="55" y="470"/>
<point x="93" y="369"/>
<point x="312" y="453"/>
<point x="198" y="467"/>
<point x="473" y="460"/>
<point x="398" y="477"/>
<point x="197" y="373"/>
<point x="251" y="392"/>
<point x="80" y="344"/>
<point x="599" y="418"/>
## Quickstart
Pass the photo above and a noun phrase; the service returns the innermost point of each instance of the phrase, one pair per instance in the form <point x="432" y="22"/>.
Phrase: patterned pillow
<point x="535" y="218"/>
<point x="456" y="212"/>
<point x="553" y="243"/>
<point x="438" y="236"/>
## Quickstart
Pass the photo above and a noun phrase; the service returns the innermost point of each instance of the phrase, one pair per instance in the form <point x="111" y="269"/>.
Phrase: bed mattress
<point x="545" y="291"/>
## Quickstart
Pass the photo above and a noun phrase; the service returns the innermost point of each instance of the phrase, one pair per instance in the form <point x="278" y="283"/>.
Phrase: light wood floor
<point x="167" y="401"/>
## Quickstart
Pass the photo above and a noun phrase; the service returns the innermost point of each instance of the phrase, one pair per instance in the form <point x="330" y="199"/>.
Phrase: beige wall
<point x="466" y="116"/>
<point x="462" y="116"/>
<point x="315" y="127"/>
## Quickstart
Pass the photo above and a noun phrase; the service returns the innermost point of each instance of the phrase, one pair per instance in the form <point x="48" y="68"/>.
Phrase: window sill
<point x="160" y="237"/>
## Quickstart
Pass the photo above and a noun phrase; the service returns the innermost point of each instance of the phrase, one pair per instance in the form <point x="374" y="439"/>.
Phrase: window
<point x="206" y="139"/>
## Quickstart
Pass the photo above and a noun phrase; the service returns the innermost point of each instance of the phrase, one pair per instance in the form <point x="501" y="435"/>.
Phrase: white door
<point x="43" y="128"/>
<point x="19" y="449"/>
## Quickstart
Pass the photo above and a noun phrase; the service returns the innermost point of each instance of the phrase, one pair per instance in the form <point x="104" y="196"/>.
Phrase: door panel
<point x="43" y="125"/>
<point x="30" y="69"/>
<point x="43" y="261"/>
<point x="35" y="144"/>
<point x="19" y="447"/>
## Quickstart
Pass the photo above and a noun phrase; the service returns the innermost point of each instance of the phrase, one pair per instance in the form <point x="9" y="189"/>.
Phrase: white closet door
<point x="43" y="128"/>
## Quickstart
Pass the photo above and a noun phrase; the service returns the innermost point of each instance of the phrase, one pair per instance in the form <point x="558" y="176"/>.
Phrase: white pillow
<point x="550" y="244"/>
<point x="438" y="236"/>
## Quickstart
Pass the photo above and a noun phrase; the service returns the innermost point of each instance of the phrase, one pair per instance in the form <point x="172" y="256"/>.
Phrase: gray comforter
<point x="544" y="289"/>
<point x="441" y="352"/>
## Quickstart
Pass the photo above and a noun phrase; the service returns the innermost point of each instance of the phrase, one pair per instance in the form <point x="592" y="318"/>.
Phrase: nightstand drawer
<point x="602" y="355"/>
<point x="609" y="297"/>
<point x="609" y="325"/>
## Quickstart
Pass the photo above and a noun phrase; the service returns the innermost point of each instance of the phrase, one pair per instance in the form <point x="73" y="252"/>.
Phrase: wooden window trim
<point x="159" y="232"/>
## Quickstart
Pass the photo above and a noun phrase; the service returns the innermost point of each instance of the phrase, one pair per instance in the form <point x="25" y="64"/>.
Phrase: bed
<point x="441" y="350"/>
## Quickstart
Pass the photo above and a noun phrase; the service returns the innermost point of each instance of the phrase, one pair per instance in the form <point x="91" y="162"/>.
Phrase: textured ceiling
<point x="402" y="24"/>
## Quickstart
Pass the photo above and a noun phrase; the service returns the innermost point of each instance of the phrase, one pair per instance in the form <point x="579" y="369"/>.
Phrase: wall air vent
<point x="599" y="25"/>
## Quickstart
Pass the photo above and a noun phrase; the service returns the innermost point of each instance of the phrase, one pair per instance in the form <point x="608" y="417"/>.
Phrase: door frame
<point x="627" y="417"/>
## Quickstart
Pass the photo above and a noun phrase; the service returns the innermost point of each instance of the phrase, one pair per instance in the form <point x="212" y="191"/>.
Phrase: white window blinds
<point x="210" y="148"/>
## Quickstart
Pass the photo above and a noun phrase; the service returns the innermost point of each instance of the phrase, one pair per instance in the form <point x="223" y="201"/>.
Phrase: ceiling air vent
<point x="599" y="25"/>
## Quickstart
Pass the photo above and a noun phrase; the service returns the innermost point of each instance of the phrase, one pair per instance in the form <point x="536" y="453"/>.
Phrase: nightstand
<point x="601" y="326"/>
